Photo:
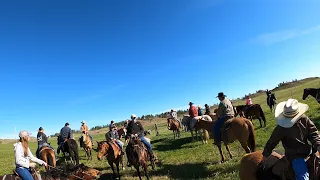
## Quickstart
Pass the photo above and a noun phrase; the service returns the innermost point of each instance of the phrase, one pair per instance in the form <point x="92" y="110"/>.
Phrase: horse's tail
<point x="262" y="114"/>
<point x="252" y="137"/>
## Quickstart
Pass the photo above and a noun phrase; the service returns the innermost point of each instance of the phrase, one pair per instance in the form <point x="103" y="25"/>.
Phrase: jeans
<point x="119" y="143"/>
<point x="216" y="129"/>
<point x="300" y="168"/>
<point x="24" y="173"/>
<point x="145" y="142"/>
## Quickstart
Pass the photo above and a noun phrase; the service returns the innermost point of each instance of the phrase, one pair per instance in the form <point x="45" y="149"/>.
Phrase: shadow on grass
<point x="173" y="144"/>
<point x="158" y="140"/>
<point x="106" y="176"/>
<point x="191" y="171"/>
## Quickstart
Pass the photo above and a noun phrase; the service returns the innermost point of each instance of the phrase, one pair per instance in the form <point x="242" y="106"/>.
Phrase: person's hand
<point x="45" y="164"/>
<point x="32" y="165"/>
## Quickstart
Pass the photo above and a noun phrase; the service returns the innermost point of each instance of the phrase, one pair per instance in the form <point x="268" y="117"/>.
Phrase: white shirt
<point x="21" y="160"/>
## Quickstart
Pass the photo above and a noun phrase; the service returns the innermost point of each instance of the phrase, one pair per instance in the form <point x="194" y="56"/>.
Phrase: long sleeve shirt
<point x="225" y="108"/>
<point x="65" y="133"/>
<point x="21" y="160"/>
<point x="42" y="138"/>
<point x="294" y="139"/>
<point x="193" y="112"/>
<point x="135" y="128"/>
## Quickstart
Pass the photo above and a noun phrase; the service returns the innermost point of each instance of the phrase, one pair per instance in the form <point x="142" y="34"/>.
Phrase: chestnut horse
<point x="138" y="156"/>
<point x="35" y="174"/>
<point x="313" y="92"/>
<point x="113" y="154"/>
<point x="239" y="129"/>
<point x="87" y="145"/>
<point x="47" y="155"/>
<point x="174" y="126"/>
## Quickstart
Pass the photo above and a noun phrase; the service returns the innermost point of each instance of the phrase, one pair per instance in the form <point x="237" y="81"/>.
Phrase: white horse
<point x="189" y="124"/>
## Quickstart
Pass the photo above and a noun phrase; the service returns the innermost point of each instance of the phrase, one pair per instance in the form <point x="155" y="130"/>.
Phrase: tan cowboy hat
<point x="83" y="121"/>
<point x="287" y="113"/>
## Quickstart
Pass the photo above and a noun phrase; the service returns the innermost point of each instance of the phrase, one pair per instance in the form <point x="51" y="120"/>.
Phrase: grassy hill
<point x="183" y="159"/>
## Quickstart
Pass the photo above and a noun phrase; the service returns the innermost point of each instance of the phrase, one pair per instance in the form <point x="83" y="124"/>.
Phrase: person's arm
<point x="141" y="129"/>
<point x="34" y="159"/>
<point x="273" y="141"/>
<point x="70" y="136"/>
<point x="313" y="135"/>
<point x="19" y="157"/>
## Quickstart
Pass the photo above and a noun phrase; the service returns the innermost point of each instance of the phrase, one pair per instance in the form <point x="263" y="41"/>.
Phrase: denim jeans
<point x="145" y="142"/>
<point x="120" y="143"/>
<point x="216" y="129"/>
<point x="300" y="168"/>
<point x="24" y="173"/>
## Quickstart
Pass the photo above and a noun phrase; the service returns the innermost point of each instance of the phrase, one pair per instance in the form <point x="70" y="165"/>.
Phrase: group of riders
<point x="294" y="129"/>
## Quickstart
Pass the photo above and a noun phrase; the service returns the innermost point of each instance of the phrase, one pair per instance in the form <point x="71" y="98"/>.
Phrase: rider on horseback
<point x="42" y="142"/>
<point x="207" y="109"/>
<point x="193" y="112"/>
<point x="84" y="129"/>
<point x="295" y="130"/>
<point x="135" y="128"/>
<point x="224" y="112"/>
<point x="113" y="135"/>
<point x="65" y="134"/>
<point x="23" y="156"/>
<point x="173" y="115"/>
<point x="248" y="104"/>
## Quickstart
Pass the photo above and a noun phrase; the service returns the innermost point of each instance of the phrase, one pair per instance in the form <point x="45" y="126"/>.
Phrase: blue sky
<point x="101" y="60"/>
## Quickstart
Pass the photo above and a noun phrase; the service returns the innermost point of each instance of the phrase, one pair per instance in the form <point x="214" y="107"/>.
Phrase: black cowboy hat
<point x="67" y="124"/>
<point x="220" y="94"/>
<point x="190" y="103"/>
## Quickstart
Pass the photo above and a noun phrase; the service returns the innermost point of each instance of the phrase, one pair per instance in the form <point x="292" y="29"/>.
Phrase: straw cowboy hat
<point x="83" y="121"/>
<point x="287" y="113"/>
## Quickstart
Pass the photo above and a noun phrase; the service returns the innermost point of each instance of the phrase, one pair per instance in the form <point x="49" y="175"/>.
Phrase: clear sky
<point x="65" y="61"/>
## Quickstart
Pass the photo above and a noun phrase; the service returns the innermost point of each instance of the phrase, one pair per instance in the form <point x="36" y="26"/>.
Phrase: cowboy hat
<point x="220" y="94"/>
<point x="287" y="113"/>
<point x="190" y="103"/>
<point x="133" y="116"/>
<point x="83" y="121"/>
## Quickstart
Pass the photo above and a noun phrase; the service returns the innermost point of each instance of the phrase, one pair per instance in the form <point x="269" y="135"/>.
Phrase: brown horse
<point x="238" y="129"/>
<point x="47" y="155"/>
<point x="174" y="126"/>
<point x="87" y="145"/>
<point x="138" y="155"/>
<point x="34" y="172"/>
<point x="253" y="111"/>
<point x="113" y="154"/>
<point x="313" y="92"/>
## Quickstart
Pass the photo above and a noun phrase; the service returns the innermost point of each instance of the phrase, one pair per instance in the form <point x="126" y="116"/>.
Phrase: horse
<point x="34" y="172"/>
<point x="313" y="92"/>
<point x="113" y="154"/>
<point x="186" y="122"/>
<point x="174" y="126"/>
<point x="138" y="156"/>
<point x="70" y="146"/>
<point x="122" y="132"/>
<point x="236" y="129"/>
<point x="271" y="101"/>
<point x="87" y="145"/>
<point x="254" y="111"/>
<point x="206" y="135"/>
<point x="47" y="155"/>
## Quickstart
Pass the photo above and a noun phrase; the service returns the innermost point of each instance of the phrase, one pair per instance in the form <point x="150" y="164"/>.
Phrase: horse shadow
<point x="184" y="171"/>
<point x="158" y="140"/>
<point x="105" y="176"/>
<point x="173" y="144"/>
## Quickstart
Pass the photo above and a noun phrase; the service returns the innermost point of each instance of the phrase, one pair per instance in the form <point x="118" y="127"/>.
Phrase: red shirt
<point x="193" y="112"/>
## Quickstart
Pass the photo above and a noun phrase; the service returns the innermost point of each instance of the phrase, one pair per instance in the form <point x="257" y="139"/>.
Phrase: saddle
<point x="224" y="128"/>
<point x="281" y="169"/>
<point x="34" y="172"/>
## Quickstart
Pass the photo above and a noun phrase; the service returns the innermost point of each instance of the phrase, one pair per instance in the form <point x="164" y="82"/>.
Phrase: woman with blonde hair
<point x="23" y="156"/>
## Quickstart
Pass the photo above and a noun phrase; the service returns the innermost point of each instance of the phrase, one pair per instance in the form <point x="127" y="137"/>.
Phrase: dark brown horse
<point x="138" y="156"/>
<point x="271" y="101"/>
<point x="239" y="129"/>
<point x="312" y="92"/>
<point x="70" y="146"/>
<point x="253" y="112"/>
<point x="113" y="154"/>
<point x="47" y="155"/>
<point x="174" y="126"/>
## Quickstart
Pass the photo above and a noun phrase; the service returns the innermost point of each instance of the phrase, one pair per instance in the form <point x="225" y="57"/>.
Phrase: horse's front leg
<point x="260" y="122"/>
<point x="114" y="173"/>
<point x="227" y="148"/>
<point x="221" y="153"/>
<point x="192" y="135"/>
<point x="117" y="164"/>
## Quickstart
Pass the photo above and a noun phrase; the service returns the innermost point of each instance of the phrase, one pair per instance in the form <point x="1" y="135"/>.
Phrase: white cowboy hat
<point x="287" y="113"/>
<point x="133" y="116"/>
<point x="83" y="122"/>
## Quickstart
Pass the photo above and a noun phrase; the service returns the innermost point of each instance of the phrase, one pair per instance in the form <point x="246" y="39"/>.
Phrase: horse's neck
<point x="207" y="125"/>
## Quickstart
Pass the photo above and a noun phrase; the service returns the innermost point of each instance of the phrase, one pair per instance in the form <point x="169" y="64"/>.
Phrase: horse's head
<point x="306" y="93"/>
<point x="169" y="120"/>
<point x="102" y="149"/>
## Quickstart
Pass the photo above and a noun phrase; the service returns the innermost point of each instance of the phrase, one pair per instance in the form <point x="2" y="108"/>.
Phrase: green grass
<point x="183" y="159"/>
